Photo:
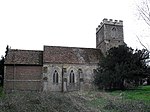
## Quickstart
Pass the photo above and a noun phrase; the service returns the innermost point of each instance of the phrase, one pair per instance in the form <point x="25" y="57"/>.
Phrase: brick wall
<point x="23" y="78"/>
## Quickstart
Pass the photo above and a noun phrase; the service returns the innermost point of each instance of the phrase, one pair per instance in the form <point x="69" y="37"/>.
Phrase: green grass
<point x="122" y="101"/>
<point x="141" y="93"/>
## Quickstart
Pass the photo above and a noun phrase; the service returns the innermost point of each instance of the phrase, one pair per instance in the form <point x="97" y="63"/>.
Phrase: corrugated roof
<point x="24" y="57"/>
<point x="71" y="55"/>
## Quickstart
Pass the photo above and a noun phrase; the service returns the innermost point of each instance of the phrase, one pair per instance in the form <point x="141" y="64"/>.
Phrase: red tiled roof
<point x="54" y="54"/>
<point x="24" y="57"/>
<point x="70" y="55"/>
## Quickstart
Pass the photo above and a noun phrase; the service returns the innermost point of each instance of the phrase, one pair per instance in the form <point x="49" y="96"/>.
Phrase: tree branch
<point x="142" y="43"/>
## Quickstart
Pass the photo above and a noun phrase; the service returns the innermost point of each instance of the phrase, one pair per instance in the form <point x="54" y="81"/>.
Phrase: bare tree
<point x="142" y="44"/>
<point x="143" y="9"/>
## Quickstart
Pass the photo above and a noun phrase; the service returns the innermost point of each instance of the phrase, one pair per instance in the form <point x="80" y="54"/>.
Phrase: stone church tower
<point x="109" y="34"/>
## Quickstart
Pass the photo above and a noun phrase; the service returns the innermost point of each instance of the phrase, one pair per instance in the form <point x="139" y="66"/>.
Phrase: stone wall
<point x="109" y="34"/>
<point x="83" y="75"/>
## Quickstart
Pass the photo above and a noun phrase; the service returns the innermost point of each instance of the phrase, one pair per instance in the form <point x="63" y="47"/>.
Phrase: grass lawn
<point x="137" y="100"/>
<point x="141" y="93"/>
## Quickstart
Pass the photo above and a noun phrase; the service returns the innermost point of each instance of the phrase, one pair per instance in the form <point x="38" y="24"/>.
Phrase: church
<point x="57" y="68"/>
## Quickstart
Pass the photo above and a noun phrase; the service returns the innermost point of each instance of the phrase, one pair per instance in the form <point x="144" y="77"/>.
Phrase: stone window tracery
<point x="55" y="77"/>
<point x="72" y="77"/>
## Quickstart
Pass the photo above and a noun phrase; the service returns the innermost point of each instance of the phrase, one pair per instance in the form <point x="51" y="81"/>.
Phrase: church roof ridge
<point x="26" y="50"/>
<point x="70" y="47"/>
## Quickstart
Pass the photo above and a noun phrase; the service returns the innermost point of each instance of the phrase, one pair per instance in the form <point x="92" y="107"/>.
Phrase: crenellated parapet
<point x="110" y="22"/>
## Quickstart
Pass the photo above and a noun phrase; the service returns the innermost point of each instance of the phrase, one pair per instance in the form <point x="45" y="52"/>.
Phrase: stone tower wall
<point x="109" y="34"/>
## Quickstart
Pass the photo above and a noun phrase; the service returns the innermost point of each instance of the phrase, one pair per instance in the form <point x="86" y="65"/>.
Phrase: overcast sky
<point x="30" y="24"/>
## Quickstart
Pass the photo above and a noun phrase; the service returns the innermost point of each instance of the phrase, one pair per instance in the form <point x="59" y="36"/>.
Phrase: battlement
<point x="109" y="21"/>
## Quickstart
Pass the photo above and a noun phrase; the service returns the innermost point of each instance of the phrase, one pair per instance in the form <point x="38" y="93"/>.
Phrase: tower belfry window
<point x="114" y="32"/>
<point x="55" y="77"/>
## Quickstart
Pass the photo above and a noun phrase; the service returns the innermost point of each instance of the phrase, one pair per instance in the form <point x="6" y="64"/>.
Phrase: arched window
<point x="55" y="77"/>
<point x="72" y="77"/>
<point x="114" y="32"/>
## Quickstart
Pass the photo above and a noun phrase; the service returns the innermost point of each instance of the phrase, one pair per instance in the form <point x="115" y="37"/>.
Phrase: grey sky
<point x="30" y="24"/>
